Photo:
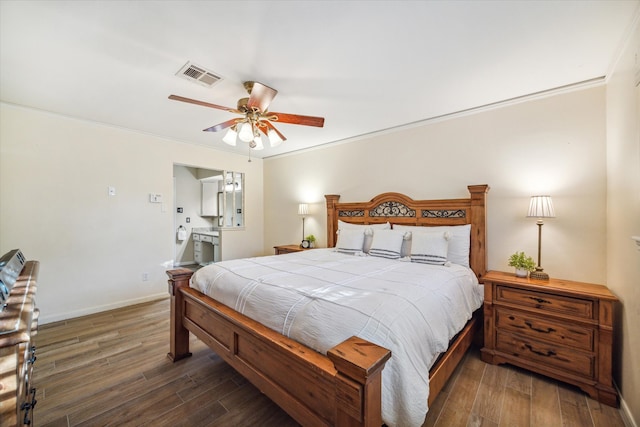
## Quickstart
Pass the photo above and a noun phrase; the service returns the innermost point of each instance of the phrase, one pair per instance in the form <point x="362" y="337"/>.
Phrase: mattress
<point x="321" y="298"/>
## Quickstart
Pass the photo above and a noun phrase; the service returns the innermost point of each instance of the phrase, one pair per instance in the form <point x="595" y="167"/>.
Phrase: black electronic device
<point x="11" y="264"/>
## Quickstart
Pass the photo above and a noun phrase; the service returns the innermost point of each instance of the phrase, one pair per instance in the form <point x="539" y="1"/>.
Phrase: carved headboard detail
<point x="400" y="209"/>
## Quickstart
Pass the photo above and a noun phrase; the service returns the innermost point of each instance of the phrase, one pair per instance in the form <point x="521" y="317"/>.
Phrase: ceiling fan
<point x="256" y="118"/>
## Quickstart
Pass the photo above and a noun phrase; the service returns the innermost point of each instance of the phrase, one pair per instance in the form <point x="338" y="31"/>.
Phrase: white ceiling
<point x="365" y="66"/>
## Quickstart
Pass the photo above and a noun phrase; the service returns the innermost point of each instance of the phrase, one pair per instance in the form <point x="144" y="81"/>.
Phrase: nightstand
<point x="285" y="249"/>
<point x="559" y="328"/>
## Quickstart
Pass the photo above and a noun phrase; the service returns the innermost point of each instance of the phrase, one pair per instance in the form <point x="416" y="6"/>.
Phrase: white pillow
<point x="350" y="241"/>
<point x="459" y="241"/>
<point x="368" y="236"/>
<point x="429" y="247"/>
<point x="387" y="243"/>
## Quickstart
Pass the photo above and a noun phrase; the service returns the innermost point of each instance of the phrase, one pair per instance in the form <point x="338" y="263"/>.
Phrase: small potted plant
<point x="522" y="263"/>
<point x="312" y="240"/>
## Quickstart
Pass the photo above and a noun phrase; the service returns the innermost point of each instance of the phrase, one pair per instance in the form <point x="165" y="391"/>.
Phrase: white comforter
<point x="321" y="297"/>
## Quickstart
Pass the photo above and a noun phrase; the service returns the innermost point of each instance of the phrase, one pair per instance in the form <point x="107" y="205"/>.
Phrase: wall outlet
<point x="145" y="277"/>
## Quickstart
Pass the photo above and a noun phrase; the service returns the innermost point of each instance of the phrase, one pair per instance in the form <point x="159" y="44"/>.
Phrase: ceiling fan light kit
<point x="256" y="118"/>
<point x="246" y="132"/>
<point x="274" y="138"/>
<point x="230" y="137"/>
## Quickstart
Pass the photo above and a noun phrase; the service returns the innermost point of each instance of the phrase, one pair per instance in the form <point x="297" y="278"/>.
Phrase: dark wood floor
<point x="111" y="369"/>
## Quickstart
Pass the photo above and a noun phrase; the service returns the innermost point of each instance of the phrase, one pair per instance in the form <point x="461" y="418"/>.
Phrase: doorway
<point x="188" y="210"/>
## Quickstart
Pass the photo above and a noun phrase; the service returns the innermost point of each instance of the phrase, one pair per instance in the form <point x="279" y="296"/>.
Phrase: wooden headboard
<point x="400" y="209"/>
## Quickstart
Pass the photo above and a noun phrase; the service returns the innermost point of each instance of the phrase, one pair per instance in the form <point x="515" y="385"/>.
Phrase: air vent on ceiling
<point x="198" y="74"/>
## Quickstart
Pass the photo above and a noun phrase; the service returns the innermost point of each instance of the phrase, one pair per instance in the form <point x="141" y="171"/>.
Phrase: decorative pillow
<point x="429" y="247"/>
<point x="368" y="235"/>
<point x="387" y="243"/>
<point x="350" y="241"/>
<point x="459" y="241"/>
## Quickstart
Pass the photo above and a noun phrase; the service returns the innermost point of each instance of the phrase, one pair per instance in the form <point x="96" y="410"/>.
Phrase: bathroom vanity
<point x="206" y="245"/>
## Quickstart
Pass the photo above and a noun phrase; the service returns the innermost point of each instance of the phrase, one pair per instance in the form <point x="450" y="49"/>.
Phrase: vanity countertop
<point x="209" y="231"/>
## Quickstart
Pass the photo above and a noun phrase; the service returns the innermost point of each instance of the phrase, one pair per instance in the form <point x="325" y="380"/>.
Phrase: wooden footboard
<point x="340" y="389"/>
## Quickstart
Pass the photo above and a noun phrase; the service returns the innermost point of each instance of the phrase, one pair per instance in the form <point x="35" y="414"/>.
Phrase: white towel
<point x="182" y="234"/>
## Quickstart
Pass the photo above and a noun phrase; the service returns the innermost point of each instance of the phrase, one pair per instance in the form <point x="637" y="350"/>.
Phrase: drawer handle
<point x="544" y="331"/>
<point x="541" y="353"/>
<point x="28" y="407"/>
<point x="540" y="300"/>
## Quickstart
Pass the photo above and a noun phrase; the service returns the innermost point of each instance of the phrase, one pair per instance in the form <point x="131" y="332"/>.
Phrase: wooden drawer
<point x="556" y="327"/>
<point x="546" y="302"/>
<point x="197" y="246"/>
<point x="547" y="354"/>
<point x="545" y="329"/>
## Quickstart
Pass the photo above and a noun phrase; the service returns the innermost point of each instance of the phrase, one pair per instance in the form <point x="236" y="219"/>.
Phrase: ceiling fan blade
<point x="296" y="119"/>
<point x="261" y="96"/>
<point x="273" y="128"/>
<point x="221" y="126"/>
<point x="202" y="103"/>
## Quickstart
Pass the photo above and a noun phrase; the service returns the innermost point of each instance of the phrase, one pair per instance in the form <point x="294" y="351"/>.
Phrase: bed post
<point x="332" y="218"/>
<point x="179" y="339"/>
<point x="358" y="382"/>
<point x="478" y="260"/>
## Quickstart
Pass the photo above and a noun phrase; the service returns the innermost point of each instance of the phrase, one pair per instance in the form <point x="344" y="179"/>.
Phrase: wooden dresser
<point x="18" y="325"/>
<point x="559" y="328"/>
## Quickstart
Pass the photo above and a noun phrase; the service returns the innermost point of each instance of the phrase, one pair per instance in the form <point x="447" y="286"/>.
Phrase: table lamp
<point x="540" y="207"/>
<point x="303" y="210"/>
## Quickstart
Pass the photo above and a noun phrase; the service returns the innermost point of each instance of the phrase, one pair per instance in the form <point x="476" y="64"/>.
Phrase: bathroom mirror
<point x="231" y="200"/>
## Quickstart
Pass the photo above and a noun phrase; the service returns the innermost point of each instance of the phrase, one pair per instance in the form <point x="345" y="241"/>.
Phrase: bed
<point x="321" y="383"/>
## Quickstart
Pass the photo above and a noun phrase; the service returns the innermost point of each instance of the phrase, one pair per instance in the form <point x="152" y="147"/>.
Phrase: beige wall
<point x="554" y="145"/>
<point x="93" y="248"/>
<point x="623" y="215"/>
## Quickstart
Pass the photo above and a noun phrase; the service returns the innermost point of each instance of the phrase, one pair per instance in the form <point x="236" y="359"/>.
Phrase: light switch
<point x="112" y="191"/>
<point x="155" y="198"/>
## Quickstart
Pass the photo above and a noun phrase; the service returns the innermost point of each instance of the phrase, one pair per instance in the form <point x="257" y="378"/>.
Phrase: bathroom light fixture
<point x="540" y="207"/>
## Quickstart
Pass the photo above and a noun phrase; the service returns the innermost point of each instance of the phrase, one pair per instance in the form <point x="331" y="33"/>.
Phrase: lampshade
<point x="231" y="137"/>
<point x="274" y="138"/>
<point x="303" y="209"/>
<point x="258" y="140"/>
<point x="246" y="132"/>
<point x="541" y="207"/>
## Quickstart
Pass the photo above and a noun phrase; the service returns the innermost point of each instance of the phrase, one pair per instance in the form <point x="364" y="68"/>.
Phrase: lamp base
<point x="539" y="274"/>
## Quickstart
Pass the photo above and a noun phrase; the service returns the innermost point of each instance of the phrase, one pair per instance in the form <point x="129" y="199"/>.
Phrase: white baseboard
<point x="97" y="309"/>
<point x="627" y="418"/>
